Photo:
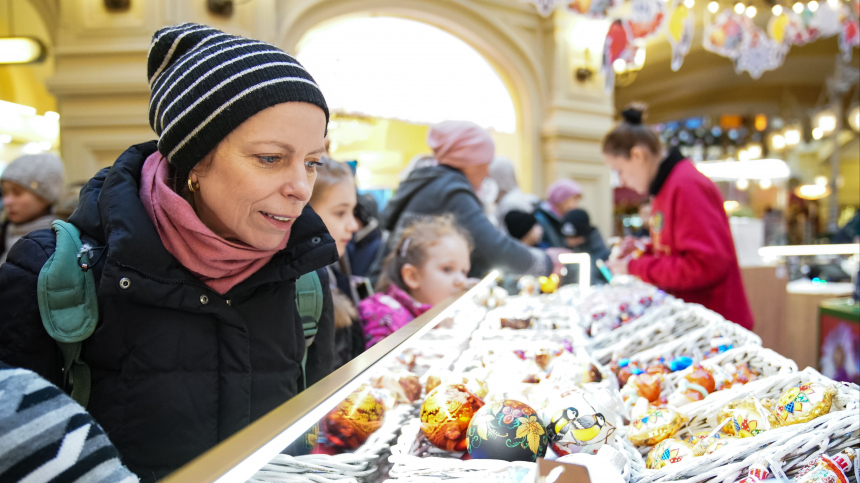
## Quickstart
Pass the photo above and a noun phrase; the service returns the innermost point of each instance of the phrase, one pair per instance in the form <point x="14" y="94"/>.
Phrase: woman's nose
<point x="297" y="185"/>
<point x="352" y="224"/>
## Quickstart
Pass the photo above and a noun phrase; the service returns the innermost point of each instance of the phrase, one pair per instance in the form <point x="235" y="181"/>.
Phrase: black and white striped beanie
<point x="204" y="83"/>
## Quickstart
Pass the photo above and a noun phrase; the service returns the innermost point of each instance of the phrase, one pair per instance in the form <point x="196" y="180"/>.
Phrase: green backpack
<point x="68" y="305"/>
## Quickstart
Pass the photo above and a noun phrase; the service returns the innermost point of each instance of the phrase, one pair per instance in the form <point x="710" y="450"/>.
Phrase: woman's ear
<point x="638" y="154"/>
<point x="409" y="274"/>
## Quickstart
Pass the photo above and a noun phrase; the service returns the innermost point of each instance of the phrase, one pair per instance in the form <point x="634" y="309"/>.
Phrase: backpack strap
<point x="68" y="305"/>
<point x="309" y="301"/>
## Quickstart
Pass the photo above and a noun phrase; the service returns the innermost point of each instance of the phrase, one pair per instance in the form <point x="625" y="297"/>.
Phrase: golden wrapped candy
<point x="804" y="402"/>
<point x="726" y="413"/>
<point x="750" y="418"/>
<point x="549" y="284"/>
<point x="668" y="452"/>
<point x="657" y="425"/>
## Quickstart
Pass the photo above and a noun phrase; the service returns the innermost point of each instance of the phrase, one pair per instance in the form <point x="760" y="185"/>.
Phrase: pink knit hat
<point x="562" y="190"/>
<point x="460" y="144"/>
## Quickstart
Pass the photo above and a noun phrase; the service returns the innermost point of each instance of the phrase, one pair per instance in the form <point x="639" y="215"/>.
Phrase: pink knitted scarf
<point x="219" y="263"/>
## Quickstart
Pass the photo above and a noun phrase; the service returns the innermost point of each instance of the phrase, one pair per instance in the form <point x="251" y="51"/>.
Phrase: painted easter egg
<point x="507" y="430"/>
<point x="352" y="421"/>
<point x="751" y="418"/>
<point x="657" y="425"/>
<point x="445" y="416"/>
<point x="804" y="402"/>
<point x="667" y="452"/>
<point x="580" y="422"/>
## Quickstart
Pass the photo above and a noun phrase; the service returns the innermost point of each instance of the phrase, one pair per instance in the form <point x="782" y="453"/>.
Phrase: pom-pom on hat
<point x="204" y="83"/>
<point x="576" y="223"/>
<point x="42" y="174"/>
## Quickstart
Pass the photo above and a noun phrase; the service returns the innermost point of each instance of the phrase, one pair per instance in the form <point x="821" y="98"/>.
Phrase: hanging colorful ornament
<point x="445" y="416"/>
<point x="751" y="418"/>
<point x="668" y="452"/>
<point x="507" y="430"/>
<point x="545" y="7"/>
<point x="761" y="55"/>
<point x="804" y="402"/>
<point x="646" y="17"/>
<point x="826" y="469"/>
<point x="679" y="31"/>
<point x="593" y="8"/>
<point x="849" y="36"/>
<point x="655" y="426"/>
<point x="352" y="421"/>
<point x="728" y="35"/>
<point x="617" y="47"/>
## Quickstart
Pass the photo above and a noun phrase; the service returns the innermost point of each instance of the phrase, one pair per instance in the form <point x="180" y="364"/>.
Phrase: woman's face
<point x="570" y="203"/>
<point x="21" y="204"/>
<point x="476" y="175"/>
<point x="443" y="274"/>
<point x="258" y="179"/>
<point x="335" y="208"/>
<point x="636" y="172"/>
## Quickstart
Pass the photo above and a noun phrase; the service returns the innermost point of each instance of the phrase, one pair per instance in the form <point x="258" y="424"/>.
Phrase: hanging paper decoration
<point x="545" y="7"/>
<point x="778" y="28"/>
<point x="849" y="36"/>
<point x="593" y="8"/>
<point x="827" y="19"/>
<point x="619" y="46"/>
<point x="762" y="54"/>
<point x="646" y="17"/>
<point x="679" y="31"/>
<point x="728" y="35"/>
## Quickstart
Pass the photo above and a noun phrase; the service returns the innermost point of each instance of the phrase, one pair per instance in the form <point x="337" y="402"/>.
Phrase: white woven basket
<point x="788" y="447"/>
<point x="656" y="341"/>
<point x="416" y="460"/>
<point x="670" y="307"/>
<point x="352" y="467"/>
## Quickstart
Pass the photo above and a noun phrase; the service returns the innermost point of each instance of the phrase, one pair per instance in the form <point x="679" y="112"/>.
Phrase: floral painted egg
<point x="718" y="443"/>
<point x="751" y="418"/>
<point x="667" y="452"/>
<point x="445" y="416"/>
<point x="580" y="422"/>
<point x="804" y="402"/>
<point x="708" y="442"/>
<point x="352" y="421"/>
<point x="507" y="430"/>
<point x="657" y="425"/>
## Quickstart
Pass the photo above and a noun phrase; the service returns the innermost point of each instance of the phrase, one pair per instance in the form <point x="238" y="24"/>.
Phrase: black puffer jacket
<point x="176" y="367"/>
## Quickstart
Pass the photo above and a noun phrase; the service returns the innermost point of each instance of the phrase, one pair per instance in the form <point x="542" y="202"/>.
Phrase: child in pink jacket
<point x="429" y="264"/>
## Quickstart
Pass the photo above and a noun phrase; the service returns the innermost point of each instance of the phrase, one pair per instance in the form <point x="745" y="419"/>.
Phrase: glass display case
<point x="245" y="453"/>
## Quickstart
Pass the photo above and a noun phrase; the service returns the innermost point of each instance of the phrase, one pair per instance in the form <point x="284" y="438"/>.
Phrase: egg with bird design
<point x="579" y="423"/>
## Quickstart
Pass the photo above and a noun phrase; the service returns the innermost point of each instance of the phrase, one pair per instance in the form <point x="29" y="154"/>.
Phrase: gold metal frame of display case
<point x="243" y="454"/>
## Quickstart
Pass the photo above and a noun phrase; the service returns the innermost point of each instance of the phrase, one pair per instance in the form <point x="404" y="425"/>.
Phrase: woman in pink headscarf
<point x="464" y="151"/>
<point x="562" y="196"/>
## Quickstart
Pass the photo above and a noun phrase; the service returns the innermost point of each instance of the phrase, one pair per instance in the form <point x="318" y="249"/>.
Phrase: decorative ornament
<point x="646" y="18"/>
<point x="758" y="472"/>
<point x="703" y="444"/>
<point x="404" y="384"/>
<point x="352" y="421"/>
<point x="580" y="421"/>
<point x="668" y="452"/>
<point x="528" y="285"/>
<point x="761" y="55"/>
<point x="826" y="469"/>
<point x="593" y="8"/>
<point x="717" y="443"/>
<point x="618" y="45"/>
<point x="728" y="35"/>
<point x="305" y="444"/>
<point x="549" y="284"/>
<point x="750" y="418"/>
<point x="695" y="386"/>
<point x="655" y="426"/>
<point x="679" y="31"/>
<point x="849" y="36"/>
<point x="545" y="7"/>
<point x="445" y="416"/>
<point x="506" y="430"/>
<point x="804" y="402"/>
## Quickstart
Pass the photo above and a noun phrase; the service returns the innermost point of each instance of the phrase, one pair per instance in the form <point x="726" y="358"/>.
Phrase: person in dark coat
<point x="582" y="237"/>
<point x="562" y="196"/>
<point x="464" y="151"/>
<point x="197" y="242"/>
<point x="692" y="254"/>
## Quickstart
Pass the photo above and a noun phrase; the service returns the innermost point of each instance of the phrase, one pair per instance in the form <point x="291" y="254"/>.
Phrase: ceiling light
<point x="854" y="117"/>
<point x="713" y="7"/>
<point x="735" y="170"/>
<point x="731" y="206"/>
<point x="754" y="151"/>
<point x="743" y="184"/>
<point x="812" y="6"/>
<point x="798" y="7"/>
<point x="689" y="3"/>
<point x="817" y="133"/>
<point x="765" y="183"/>
<point x="21" y="50"/>
<point x="827" y="122"/>
<point x="792" y="137"/>
<point x="751" y="11"/>
<point x="739" y="8"/>
<point x="777" y="10"/>
<point x="812" y="191"/>
<point x="777" y="141"/>
<point x="821" y="180"/>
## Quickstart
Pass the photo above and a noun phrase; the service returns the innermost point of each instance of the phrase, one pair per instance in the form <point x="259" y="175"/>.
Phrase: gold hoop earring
<point x="193" y="187"/>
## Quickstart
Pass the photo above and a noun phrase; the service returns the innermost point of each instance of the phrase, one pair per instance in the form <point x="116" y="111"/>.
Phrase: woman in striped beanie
<point x="197" y="240"/>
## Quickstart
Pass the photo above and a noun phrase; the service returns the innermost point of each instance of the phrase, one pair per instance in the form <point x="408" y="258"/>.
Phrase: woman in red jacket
<point x="692" y="254"/>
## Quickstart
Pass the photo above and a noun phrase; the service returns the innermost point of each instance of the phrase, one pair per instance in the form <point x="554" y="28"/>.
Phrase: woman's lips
<point x="280" y="222"/>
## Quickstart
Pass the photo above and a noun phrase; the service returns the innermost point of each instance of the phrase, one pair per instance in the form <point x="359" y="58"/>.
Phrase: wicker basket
<point x="656" y="341"/>
<point x="788" y="447"/>
<point x="416" y="460"/>
<point x="656" y="313"/>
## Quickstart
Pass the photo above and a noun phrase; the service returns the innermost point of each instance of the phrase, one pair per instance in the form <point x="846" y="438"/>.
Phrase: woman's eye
<point x="268" y="159"/>
<point x="312" y="163"/>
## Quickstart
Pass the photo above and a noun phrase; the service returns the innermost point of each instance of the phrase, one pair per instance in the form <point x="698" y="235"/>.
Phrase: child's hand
<point x="619" y="266"/>
<point x="553" y="253"/>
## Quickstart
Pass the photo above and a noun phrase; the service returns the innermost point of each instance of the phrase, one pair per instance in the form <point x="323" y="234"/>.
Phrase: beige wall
<point x="102" y="95"/>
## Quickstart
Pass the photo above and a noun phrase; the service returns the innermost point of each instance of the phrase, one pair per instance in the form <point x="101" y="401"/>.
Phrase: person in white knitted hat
<point x="31" y="186"/>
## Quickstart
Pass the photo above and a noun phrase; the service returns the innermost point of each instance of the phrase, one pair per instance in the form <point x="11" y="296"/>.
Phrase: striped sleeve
<point x="47" y="437"/>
